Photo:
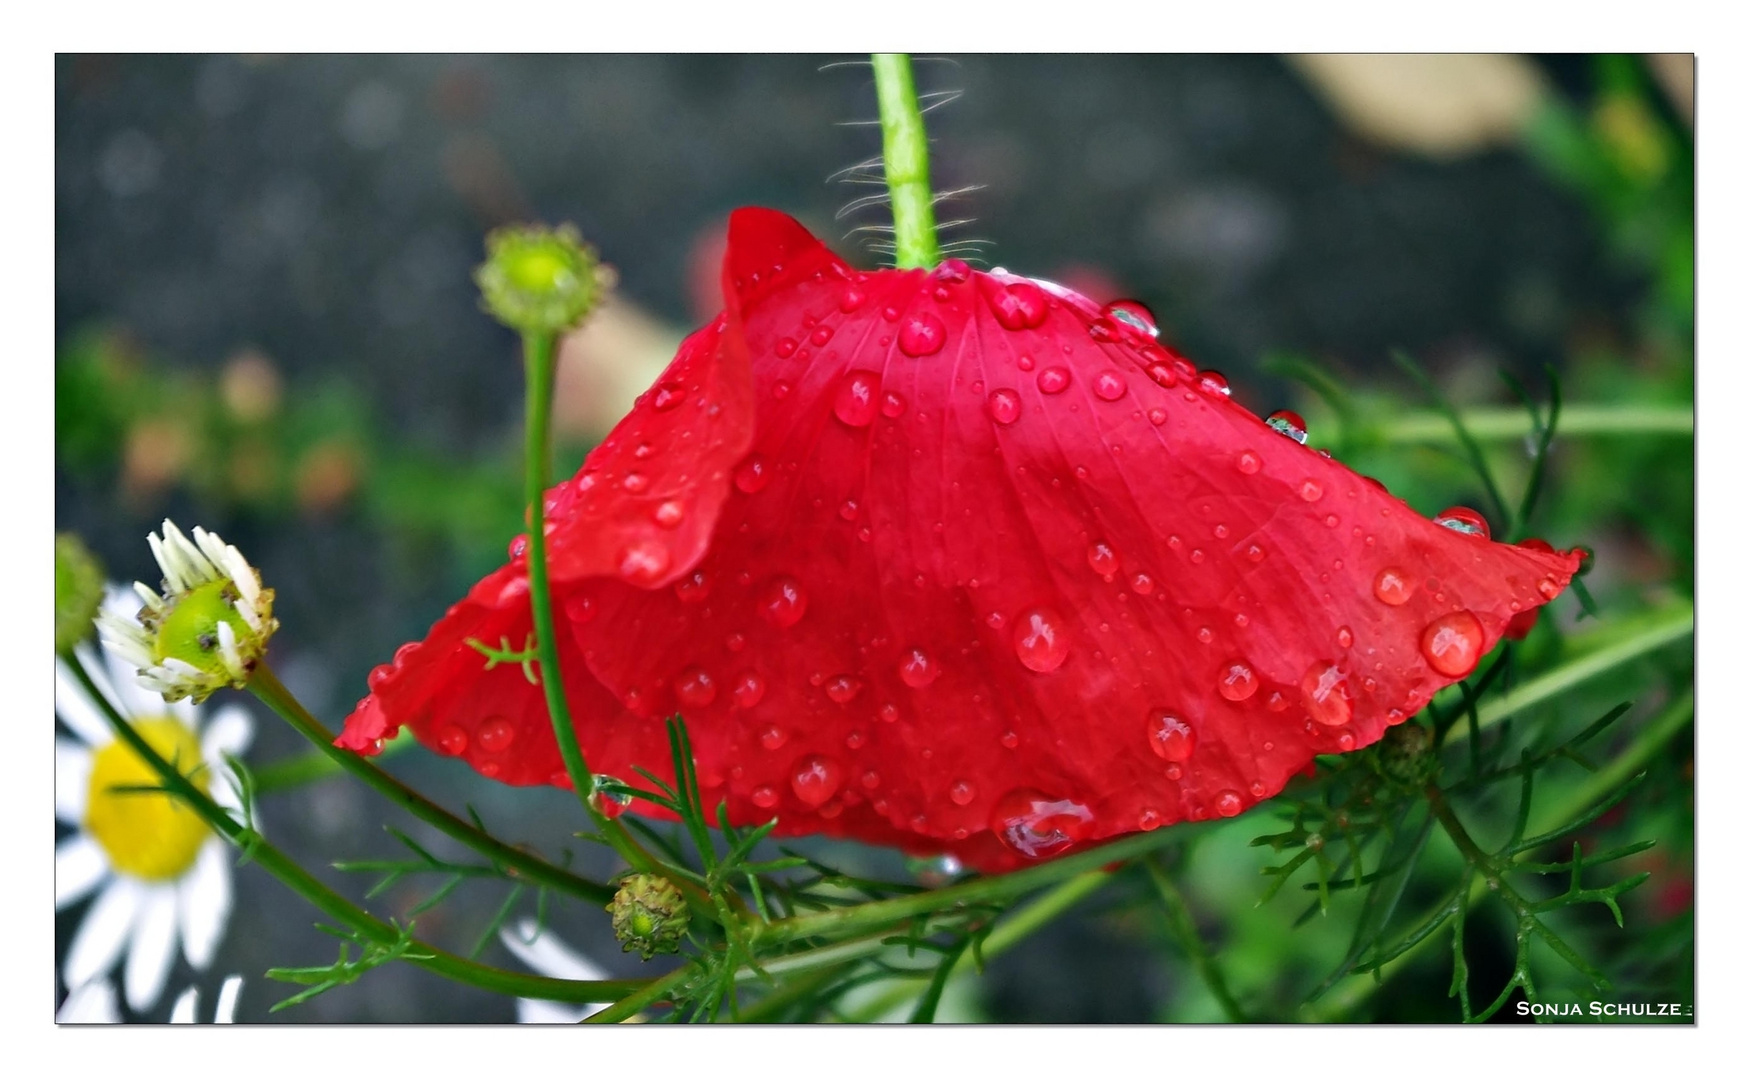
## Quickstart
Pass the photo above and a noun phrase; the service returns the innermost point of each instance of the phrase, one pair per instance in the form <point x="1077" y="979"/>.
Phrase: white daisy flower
<point x="160" y="874"/>
<point x="545" y="954"/>
<point x="95" y="1003"/>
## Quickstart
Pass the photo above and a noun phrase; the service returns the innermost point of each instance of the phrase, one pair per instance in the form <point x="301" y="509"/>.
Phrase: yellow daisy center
<point x="146" y="834"/>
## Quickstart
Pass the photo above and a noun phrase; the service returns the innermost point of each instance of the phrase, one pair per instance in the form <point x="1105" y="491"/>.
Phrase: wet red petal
<point x="961" y="553"/>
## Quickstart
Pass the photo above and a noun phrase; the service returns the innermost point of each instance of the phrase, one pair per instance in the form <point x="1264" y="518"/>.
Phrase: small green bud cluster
<point x="650" y="915"/>
<point x="537" y="280"/>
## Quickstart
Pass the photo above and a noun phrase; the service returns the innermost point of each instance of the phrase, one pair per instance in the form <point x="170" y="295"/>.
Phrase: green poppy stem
<point x="905" y="152"/>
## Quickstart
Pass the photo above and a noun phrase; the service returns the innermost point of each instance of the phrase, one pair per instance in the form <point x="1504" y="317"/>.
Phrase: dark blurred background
<point x="267" y="325"/>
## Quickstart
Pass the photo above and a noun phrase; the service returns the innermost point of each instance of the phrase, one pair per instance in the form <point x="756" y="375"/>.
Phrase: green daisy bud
<point x="1406" y="754"/>
<point x="209" y="626"/>
<point x="650" y="915"/>
<point x="78" y="591"/>
<point x="537" y="280"/>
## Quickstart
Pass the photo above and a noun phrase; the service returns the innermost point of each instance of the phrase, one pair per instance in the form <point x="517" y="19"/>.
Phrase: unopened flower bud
<point x="650" y="915"/>
<point x="207" y="628"/>
<point x="1406" y="754"/>
<point x="537" y="280"/>
<point x="78" y="591"/>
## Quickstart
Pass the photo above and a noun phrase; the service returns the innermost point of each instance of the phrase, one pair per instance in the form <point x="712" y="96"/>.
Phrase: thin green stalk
<point x="905" y="151"/>
<point x="315" y="766"/>
<point x="1184" y="928"/>
<point x="265" y="685"/>
<point x="1578" y="421"/>
<point x="257" y="849"/>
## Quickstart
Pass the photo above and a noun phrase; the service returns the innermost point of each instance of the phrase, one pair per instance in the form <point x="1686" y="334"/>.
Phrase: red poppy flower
<point x="959" y="562"/>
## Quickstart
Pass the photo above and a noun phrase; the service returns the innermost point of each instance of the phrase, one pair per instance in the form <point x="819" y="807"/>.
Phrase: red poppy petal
<point x="1001" y="575"/>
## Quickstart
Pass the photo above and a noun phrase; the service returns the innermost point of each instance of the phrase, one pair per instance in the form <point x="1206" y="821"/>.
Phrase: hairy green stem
<point x="1578" y="421"/>
<point x="257" y="849"/>
<point x="265" y="685"/>
<point x="905" y="152"/>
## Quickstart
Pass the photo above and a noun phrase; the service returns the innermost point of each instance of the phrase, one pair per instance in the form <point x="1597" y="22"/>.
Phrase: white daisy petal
<point x="153" y="950"/>
<point x="80" y="866"/>
<point x="228" y="732"/>
<point x="547" y="955"/>
<point x="72" y="780"/>
<point x="203" y="904"/>
<point x="135" y="700"/>
<point x="103" y="933"/>
<point x="225" y="1009"/>
<point x="531" y="1011"/>
<point x="76" y="709"/>
<point x="183" y="1011"/>
<point x="93" y="1003"/>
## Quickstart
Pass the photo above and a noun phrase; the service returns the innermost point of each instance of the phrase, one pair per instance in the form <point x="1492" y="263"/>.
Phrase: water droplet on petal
<point x="1134" y="315"/>
<point x="1041" y="640"/>
<point x="1053" y="380"/>
<point x="765" y="798"/>
<point x="667" y="396"/>
<point x="1102" y="559"/>
<point x="1235" y="680"/>
<point x="1103" y="329"/>
<point x="1036" y="825"/>
<point x="1157" y="417"/>
<point x="452" y="740"/>
<point x="1170" y="737"/>
<point x="815" y="778"/>
<point x="495" y="734"/>
<point x="962" y="792"/>
<point x="1010" y="740"/>
<point x="668" y="514"/>
<point x="643" y="562"/>
<point x="1462" y="519"/>
<point x="922" y="334"/>
<point x="1211" y="381"/>
<point x="773" y="737"/>
<point x="695" y="688"/>
<point x="857" y="399"/>
<point x="1311" y="491"/>
<point x="1143" y="584"/>
<point x="851" y="299"/>
<point x="1229" y="803"/>
<point x="1324" y="690"/>
<point x="1005" y="406"/>
<point x="821" y="335"/>
<point x="1345" y="637"/>
<point x="635" y="482"/>
<point x="749" y="688"/>
<point x="1289" y="423"/>
<point x="783" y="602"/>
<point x="1110" y="386"/>
<point x="1248" y="462"/>
<point x="1453" y="644"/>
<point x="842" y="688"/>
<point x="953" y="271"/>
<point x="1393" y="587"/>
<point x="752" y="475"/>
<point x="892" y="405"/>
<point x="1021" y="305"/>
<point x="917" y="670"/>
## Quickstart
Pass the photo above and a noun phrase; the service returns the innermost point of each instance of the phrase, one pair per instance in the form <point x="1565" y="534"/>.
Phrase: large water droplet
<point x="783" y="602"/>
<point x="922" y="334"/>
<point x="1211" y="381"/>
<point x="857" y="399"/>
<point x="752" y="475"/>
<point x="772" y="737"/>
<point x="815" y="778"/>
<point x="1102" y="559"/>
<point x="1005" y="406"/>
<point x="1132" y="314"/>
<point x="765" y="797"/>
<point x="1053" y="380"/>
<point x="1248" y="463"/>
<point x="821" y="335"/>
<point x="1229" y="803"/>
<point x="693" y="588"/>
<point x="1110" y="386"/>
<point x="495" y="734"/>
<point x="1041" y="640"/>
<point x="842" y="688"/>
<point x="452" y="740"/>
<point x="1311" y="491"/>
<point x="1235" y="680"/>
<point x="1021" y="305"/>
<point x="1392" y="586"/>
<point x="1170" y="737"/>
<point x="749" y="688"/>
<point x="953" y="271"/>
<point x="962" y="792"/>
<point x="892" y="405"/>
<point x="695" y="688"/>
<point x="1289" y="423"/>
<point x="667" y="396"/>
<point x="786" y="348"/>
<point x="917" y="670"/>
<point x="643" y="562"/>
<point x="1453" y="644"/>
<point x="1036" y="825"/>
<point x="519" y="545"/>
<point x="1462" y="519"/>
<point x="668" y="514"/>
<point x="610" y="797"/>
<point x="1324" y="690"/>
